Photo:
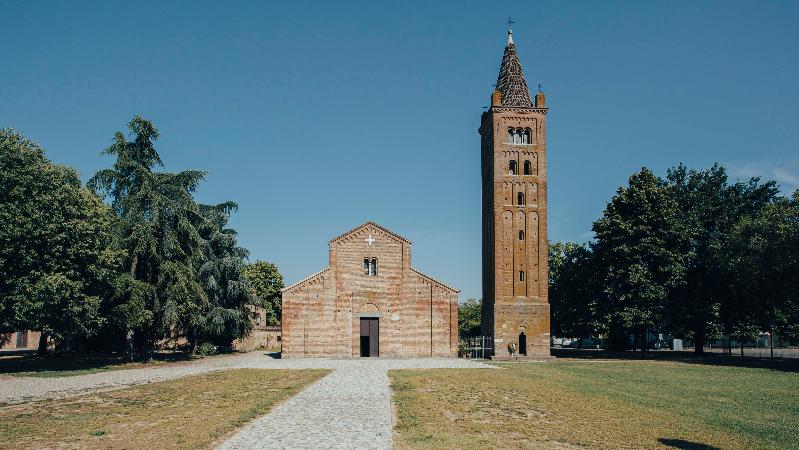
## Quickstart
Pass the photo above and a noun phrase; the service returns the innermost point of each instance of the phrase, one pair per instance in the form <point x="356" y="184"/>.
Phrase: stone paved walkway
<point x="348" y="409"/>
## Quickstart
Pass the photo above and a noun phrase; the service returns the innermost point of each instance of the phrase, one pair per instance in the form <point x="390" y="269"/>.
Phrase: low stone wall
<point x="23" y="340"/>
<point x="266" y="337"/>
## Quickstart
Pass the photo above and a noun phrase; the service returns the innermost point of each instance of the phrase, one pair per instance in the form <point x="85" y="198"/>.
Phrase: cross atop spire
<point x="510" y="23"/>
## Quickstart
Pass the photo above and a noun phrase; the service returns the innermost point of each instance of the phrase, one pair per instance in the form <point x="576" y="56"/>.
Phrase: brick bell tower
<point x="514" y="177"/>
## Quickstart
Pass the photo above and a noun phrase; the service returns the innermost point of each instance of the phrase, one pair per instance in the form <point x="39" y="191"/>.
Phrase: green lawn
<point x="191" y="412"/>
<point x="599" y="404"/>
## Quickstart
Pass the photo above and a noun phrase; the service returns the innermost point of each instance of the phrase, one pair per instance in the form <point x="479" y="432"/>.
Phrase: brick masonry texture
<point x="514" y="234"/>
<point x="418" y="315"/>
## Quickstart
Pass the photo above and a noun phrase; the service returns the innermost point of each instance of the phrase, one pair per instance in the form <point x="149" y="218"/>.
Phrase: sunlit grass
<point x="614" y="404"/>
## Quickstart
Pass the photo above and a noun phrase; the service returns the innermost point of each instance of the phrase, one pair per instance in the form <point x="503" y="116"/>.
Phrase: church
<point x="370" y="301"/>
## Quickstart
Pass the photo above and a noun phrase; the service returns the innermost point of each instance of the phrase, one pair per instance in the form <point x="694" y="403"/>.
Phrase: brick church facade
<point x="369" y="301"/>
<point x="514" y="179"/>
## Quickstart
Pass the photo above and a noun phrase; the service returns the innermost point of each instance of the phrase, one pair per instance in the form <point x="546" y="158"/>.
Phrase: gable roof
<point x="435" y="281"/>
<point x="510" y="81"/>
<point x="308" y="278"/>
<point x="366" y="224"/>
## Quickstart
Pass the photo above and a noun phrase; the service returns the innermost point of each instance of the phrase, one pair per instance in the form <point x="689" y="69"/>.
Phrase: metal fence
<point x="761" y="346"/>
<point x="478" y="347"/>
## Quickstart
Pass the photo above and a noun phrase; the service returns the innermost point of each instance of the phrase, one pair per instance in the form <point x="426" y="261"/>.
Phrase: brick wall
<point x="418" y="316"/>
<point x="512" y="305"/>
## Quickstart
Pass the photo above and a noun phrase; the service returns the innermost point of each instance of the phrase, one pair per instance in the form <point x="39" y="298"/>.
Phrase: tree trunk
<point x="42" y="351"/>
<point x="699" y="341"/>
<point x="742" y="345"/>
<point x="771" y="341"/>
<point x="128" y="331"/>
<point x="129" y="344"/>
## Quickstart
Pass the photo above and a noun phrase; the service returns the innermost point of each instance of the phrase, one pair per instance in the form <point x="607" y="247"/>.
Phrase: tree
<point x="55" y="256"/>
<point x="157" y="227"/>
<point x="573" y="294"/>
<point x="708" y="209"/>
<point x="266" y="283"/>
<point x="469" y="317"/>
<point x="638" y="249"/>
<point x="222" y="276"/>
<point x="761" y="261"/>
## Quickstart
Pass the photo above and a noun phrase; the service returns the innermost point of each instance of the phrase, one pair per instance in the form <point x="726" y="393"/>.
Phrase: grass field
<point x="191" y="412"/>
<point x="598" y="404"/>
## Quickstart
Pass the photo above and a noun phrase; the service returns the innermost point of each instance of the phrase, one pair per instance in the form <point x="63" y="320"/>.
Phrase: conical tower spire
<point x="511" y="82"/>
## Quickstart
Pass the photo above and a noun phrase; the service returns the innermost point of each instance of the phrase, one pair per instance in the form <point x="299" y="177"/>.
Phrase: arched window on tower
<point x="521" y="275"/>
<point x="521" y="235"/>
<point x="525" y="138"/>
<point x="528" y="136"/>
<point x="512" y="168"/>
<point x="366" y="266"/>
<point x="528" y="168"/>
<point x="520" y="198"/>
<point x="511" y="135"/>
<point x="373" y="267"/>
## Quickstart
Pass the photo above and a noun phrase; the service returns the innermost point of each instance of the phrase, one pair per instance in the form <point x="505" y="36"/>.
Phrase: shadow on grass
<point x="686" y="445"/>
<point x="74" y="364"/>
<point x="778" y="364"/>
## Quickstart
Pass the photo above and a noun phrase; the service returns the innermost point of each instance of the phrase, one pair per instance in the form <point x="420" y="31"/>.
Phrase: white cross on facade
<point x="370" y="239"/>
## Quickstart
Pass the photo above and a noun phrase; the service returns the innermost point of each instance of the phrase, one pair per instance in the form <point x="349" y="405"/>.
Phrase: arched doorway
<point x="522" y="344"/>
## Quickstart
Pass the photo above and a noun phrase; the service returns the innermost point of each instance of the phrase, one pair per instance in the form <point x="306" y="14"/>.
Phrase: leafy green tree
<point x="221" y="275"/>
<point x="638" y="243"/>
<point x="266" y="283"/>
<point x="574" y="296"/>
<point x="469" y="317"/>
<point x="55" y="256"/>
<point x="708" y="207"/>
<point x="761" y="260"/>
<point x="157" y="227"/>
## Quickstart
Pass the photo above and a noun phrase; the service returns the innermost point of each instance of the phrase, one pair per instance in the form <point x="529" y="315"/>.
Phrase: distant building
<point x="21" y="340"/>
<point x="369" y="301"/>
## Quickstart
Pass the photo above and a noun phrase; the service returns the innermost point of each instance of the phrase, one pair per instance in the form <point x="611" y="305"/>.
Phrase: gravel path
<point x="22" y="389"/>
<point x="350" y="408"/>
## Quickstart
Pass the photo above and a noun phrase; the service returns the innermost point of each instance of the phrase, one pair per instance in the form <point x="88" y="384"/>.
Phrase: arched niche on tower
<point x="506" y="253"/>
<point x="519" y="255"/>
<point x="532" y="194"/>
<point x="533" y="253"/>
<point x="507" y="193"/>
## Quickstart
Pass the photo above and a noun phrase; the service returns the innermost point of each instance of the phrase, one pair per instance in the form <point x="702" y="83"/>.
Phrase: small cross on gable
<point x="370" y="239"/>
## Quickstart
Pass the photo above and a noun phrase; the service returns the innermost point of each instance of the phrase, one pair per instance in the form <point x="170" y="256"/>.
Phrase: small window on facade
<point x="520" y="198"/>
<point x="371" y="267"/>
<point x="528" y="136"/>
<point x="521" y="235"/>
<point x="528" y="168"/>
<point x="366" y="266"/>
<point x="511" y="135"/>
<point x="521" y="275"/>
<point x="512" y="167"/>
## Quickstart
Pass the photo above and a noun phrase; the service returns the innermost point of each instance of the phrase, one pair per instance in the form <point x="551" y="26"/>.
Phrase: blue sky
<point x="318" y="116"/>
